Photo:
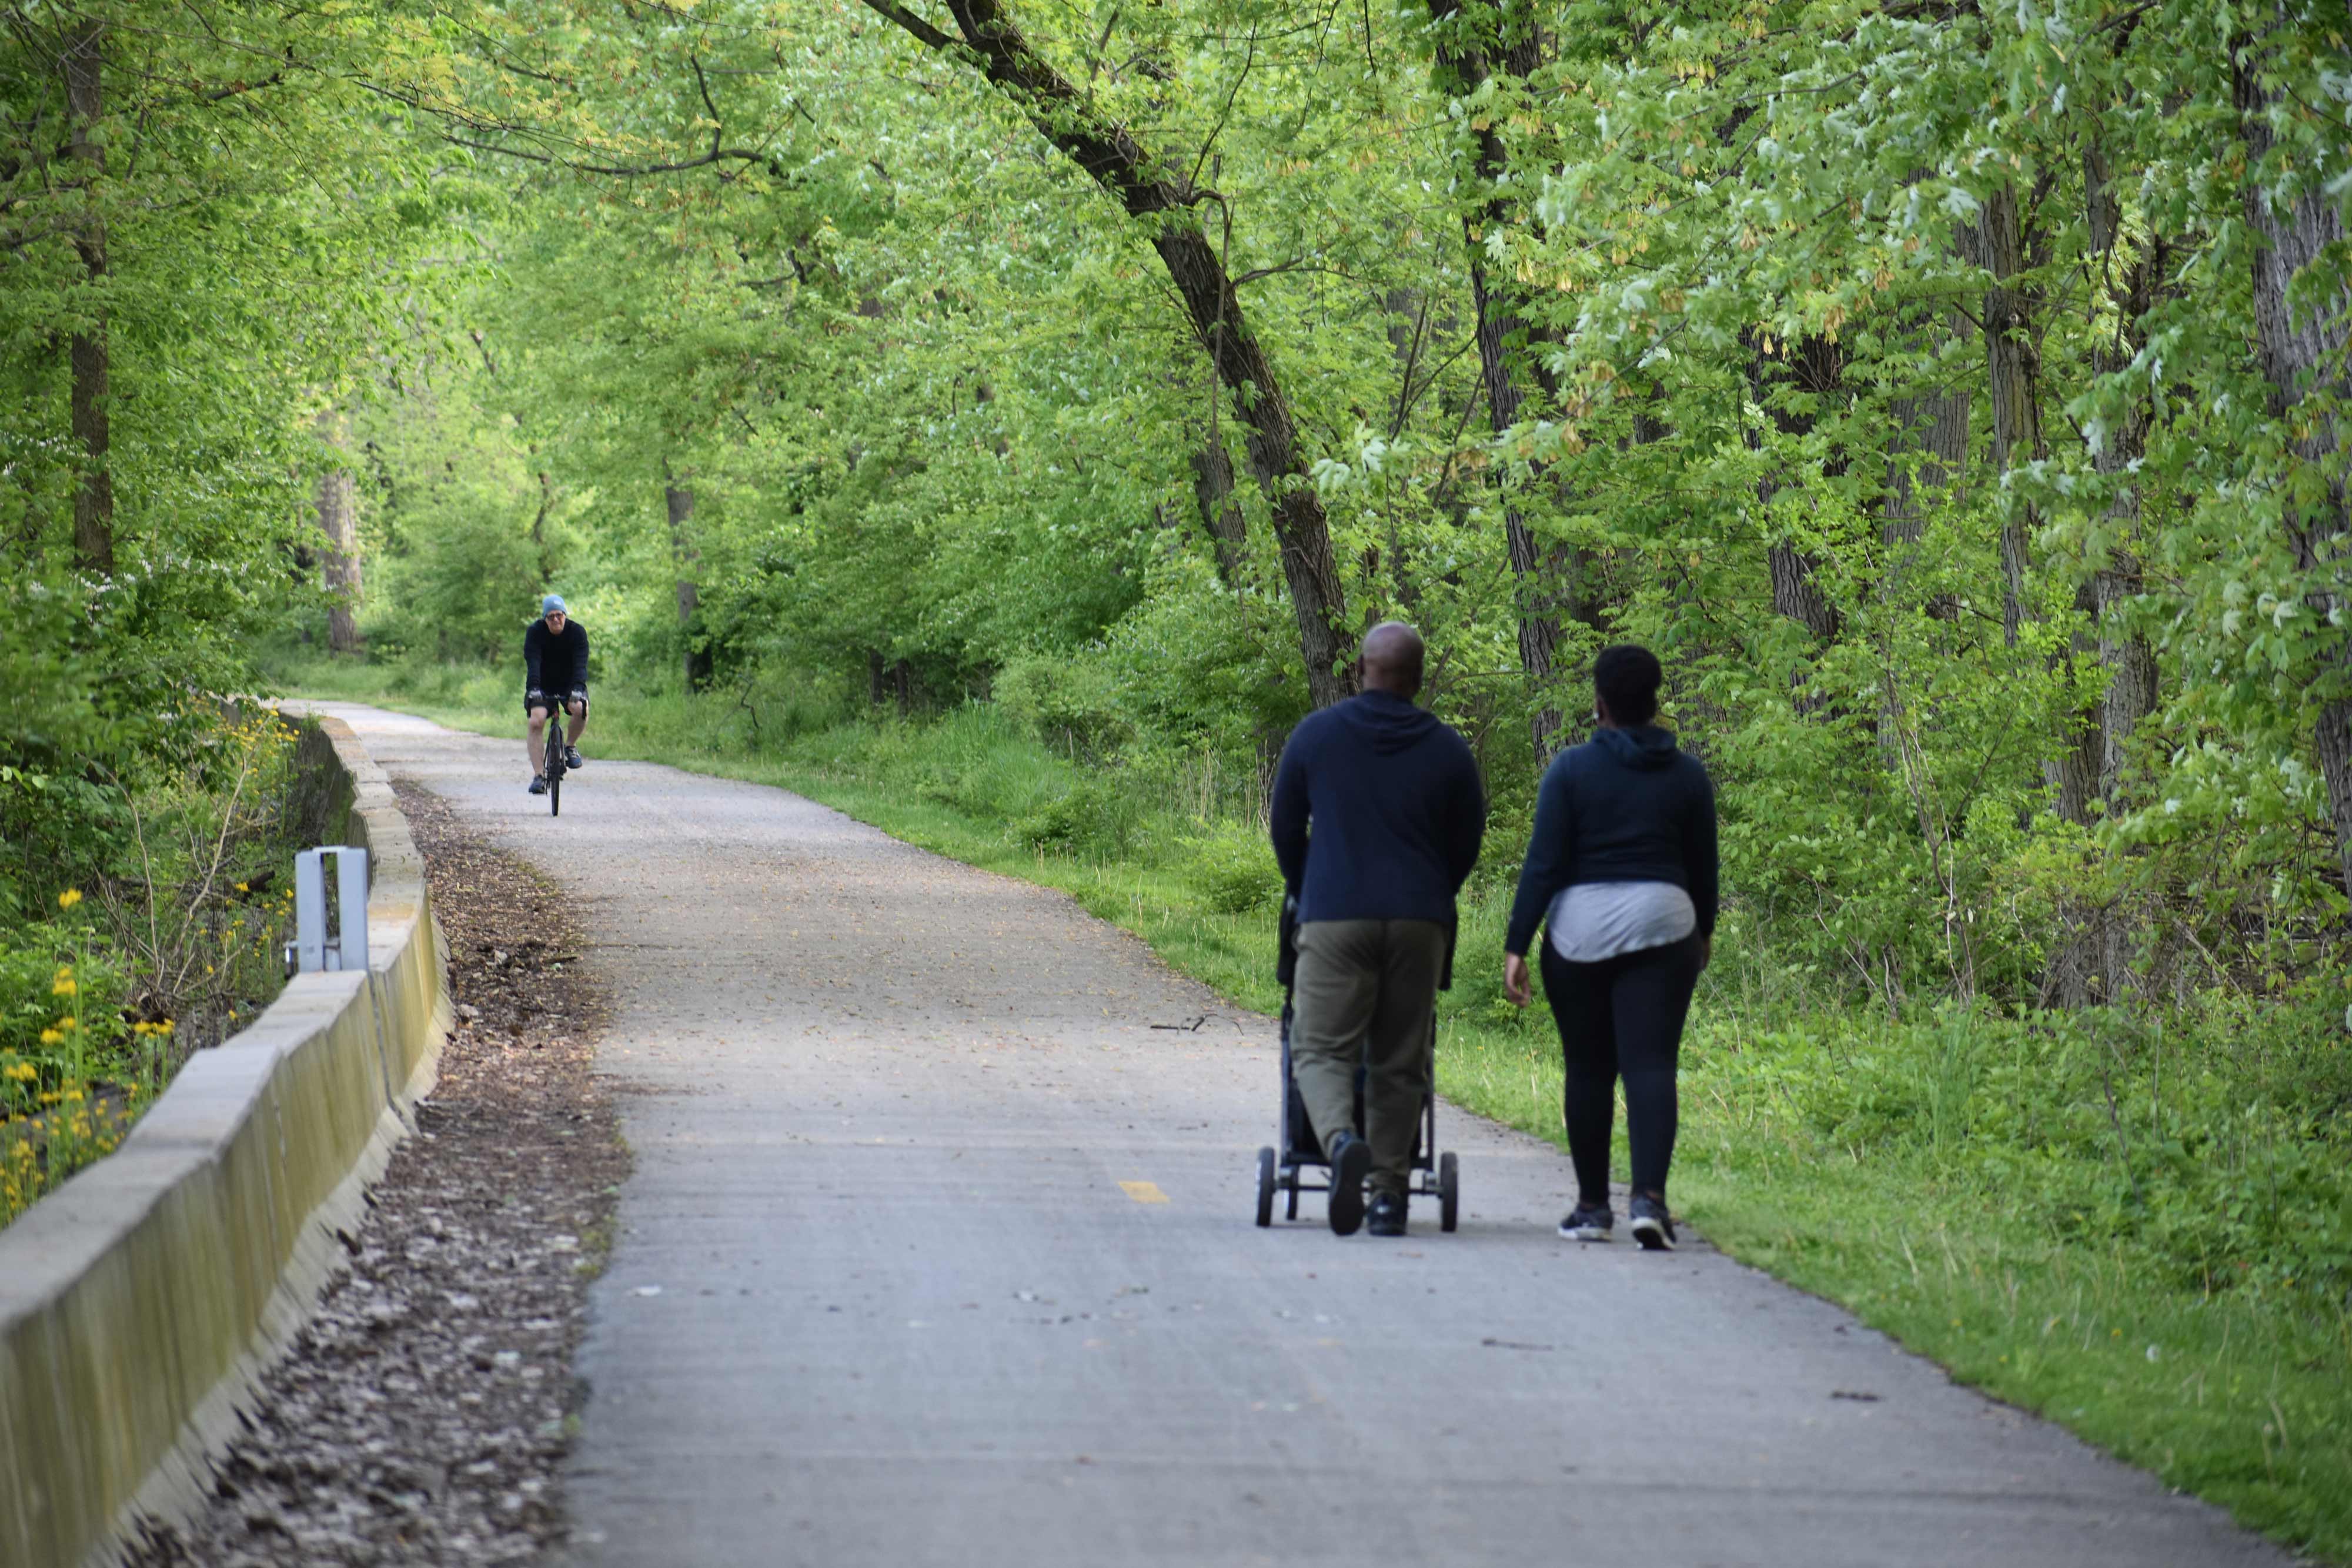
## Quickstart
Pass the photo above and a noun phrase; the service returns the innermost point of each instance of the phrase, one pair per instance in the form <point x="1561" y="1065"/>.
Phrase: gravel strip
<point x="424" y="1413"/>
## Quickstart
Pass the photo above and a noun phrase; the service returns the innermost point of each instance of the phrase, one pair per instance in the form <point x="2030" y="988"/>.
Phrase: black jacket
<point x="1397" y="808"/>
<point x="551" y="663"/>
<point x="1626" y="806"/>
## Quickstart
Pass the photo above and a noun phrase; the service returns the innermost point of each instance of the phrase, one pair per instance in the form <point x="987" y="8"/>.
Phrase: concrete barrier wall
<point x="140" y="1301"/>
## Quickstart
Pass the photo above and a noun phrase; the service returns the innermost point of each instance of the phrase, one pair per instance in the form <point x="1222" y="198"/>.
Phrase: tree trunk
<point x="1410" y="329"/>
<point x="84" y="58"/>
<point x="1814" y="367"/>
<point x="1999" y="244"/>
<point x="1150" y="187"/>
<point x="1932" y="425"/>
<point x="1220" y="514"/>
<point x="2125" y="655"/>
<point x="877" y="674"/>
<point x="1935" y="425"/>
<point x="1548" y="579"/>
<point x="2003" y="246"/>
<point x="683" y="555"/>
<point x="1317" y="601"/>
<point x="339" y="563"/>
<point x="2301" y="349"/>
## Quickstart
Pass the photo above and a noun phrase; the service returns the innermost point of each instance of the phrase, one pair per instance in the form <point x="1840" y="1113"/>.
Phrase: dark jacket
<point x="551" y="663"/>
<point x="1626" y="806"/>
<point x="1397" y="808"/>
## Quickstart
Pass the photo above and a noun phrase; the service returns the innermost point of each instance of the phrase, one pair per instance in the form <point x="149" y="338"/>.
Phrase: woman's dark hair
<point x="1627" y="679"/>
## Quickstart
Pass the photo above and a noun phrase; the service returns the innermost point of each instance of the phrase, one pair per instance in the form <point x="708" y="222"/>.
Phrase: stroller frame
<point x="1289" y="1165"/>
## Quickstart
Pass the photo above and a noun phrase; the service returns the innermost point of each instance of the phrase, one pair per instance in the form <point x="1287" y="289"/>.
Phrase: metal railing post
<point x="313" y="950"/>
<point x="351" y="888"/>
<point x="310" y="912"/>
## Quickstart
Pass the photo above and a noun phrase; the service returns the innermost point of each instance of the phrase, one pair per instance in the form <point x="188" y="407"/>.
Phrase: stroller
<point x="1287" y="1166"/>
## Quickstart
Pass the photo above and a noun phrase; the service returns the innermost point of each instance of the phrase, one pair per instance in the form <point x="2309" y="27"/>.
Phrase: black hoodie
<point x="1397" y="807"/>
<point x="552" y="664"/>
<point x="1626" y="806"/>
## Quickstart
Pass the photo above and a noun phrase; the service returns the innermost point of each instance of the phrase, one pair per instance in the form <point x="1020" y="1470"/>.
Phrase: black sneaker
<point x="1386" y="1217"/>
<point x="1351" y="1161"/>
<point x="572" y="756"/>
<point x="538" y="783"/>
<point x="1651" y="1225"/>
<point x="1589" y="1222"/>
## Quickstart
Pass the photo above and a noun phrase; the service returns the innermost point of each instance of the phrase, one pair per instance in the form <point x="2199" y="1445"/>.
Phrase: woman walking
<point x="1621" y="874"/>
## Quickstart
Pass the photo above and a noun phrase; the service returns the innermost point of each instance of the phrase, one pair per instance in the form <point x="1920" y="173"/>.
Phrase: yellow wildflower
<point x="241" y="887"/>
<point x="69" y="1022"/>
<point x="63" y="986"/>
<point x="52" y="1037"/>
<point x="68" y="898"/>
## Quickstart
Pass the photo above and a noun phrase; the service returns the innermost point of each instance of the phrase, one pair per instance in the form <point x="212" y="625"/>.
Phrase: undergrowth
<point x="143" y="922"/>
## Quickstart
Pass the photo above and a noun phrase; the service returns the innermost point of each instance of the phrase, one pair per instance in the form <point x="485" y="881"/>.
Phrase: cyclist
<point x="555" y="674"/>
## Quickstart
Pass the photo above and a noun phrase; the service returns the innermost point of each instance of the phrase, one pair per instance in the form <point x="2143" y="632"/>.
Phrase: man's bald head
<point x="1392" y="656"/>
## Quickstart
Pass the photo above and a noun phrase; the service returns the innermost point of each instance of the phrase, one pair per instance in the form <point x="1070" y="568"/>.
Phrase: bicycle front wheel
<point x="555" y="791"/>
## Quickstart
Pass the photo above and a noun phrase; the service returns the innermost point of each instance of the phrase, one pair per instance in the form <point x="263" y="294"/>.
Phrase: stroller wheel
<point x="1449" y="1191"/>
<point x="1265" y="1187"/>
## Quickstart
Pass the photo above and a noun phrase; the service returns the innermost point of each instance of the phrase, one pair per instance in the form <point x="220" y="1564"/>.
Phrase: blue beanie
<point x="551" y="605"/>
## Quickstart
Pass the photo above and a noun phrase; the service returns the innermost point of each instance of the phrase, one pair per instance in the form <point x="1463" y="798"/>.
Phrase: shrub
<point x="1093" y="817"/>
<point x="1233" y="866"/>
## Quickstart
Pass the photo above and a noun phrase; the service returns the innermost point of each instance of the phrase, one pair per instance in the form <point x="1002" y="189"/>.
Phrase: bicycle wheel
<point x="555" y="790"/>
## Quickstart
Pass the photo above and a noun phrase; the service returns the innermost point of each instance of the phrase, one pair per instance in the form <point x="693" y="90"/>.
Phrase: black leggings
<point x="1621" y="1018"/>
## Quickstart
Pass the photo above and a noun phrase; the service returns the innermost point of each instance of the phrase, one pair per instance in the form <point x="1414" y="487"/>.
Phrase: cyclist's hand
<point x="535" y="694"/>
<point x="580" y="696"/>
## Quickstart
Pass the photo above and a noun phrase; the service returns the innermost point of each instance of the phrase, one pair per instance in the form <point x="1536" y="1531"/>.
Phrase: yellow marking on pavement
<point x="1143" y="1191"/>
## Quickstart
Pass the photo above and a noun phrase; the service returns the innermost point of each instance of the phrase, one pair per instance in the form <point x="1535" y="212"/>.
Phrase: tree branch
<point x="922" y="32"/>
<point x="627" y="171"/>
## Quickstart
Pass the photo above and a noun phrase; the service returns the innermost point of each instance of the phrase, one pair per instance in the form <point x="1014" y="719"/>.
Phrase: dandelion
<point x="52" y="1037"/>
<point x="242" y="887"/>
<point x="68" y="898"/>
<point x="64" y="986"/>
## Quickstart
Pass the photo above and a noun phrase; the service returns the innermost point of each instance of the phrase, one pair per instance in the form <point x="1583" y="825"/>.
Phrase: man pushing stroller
<point x="1377" y="817"/>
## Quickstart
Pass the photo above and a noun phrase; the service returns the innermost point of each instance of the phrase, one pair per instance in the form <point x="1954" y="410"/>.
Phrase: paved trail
<point x="937" y="1253"/>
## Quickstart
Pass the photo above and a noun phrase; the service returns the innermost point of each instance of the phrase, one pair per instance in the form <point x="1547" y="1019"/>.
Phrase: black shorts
<point x="552" y="703"/>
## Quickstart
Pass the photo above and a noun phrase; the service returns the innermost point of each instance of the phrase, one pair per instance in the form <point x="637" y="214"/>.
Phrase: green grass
<point x="2146" y="1238"/>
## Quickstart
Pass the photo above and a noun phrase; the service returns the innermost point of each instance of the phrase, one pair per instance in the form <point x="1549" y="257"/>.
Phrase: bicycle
<point x="552" y="746"/>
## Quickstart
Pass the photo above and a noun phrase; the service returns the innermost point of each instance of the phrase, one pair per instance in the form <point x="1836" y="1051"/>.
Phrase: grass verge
<point x="2141" y="1229"/>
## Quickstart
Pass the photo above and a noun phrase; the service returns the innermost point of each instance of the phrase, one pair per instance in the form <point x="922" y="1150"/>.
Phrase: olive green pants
<point x="1366" y="995"/>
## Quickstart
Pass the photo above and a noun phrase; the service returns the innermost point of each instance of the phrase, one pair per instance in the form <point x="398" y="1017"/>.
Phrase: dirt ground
<point x="424" y="1414"/>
